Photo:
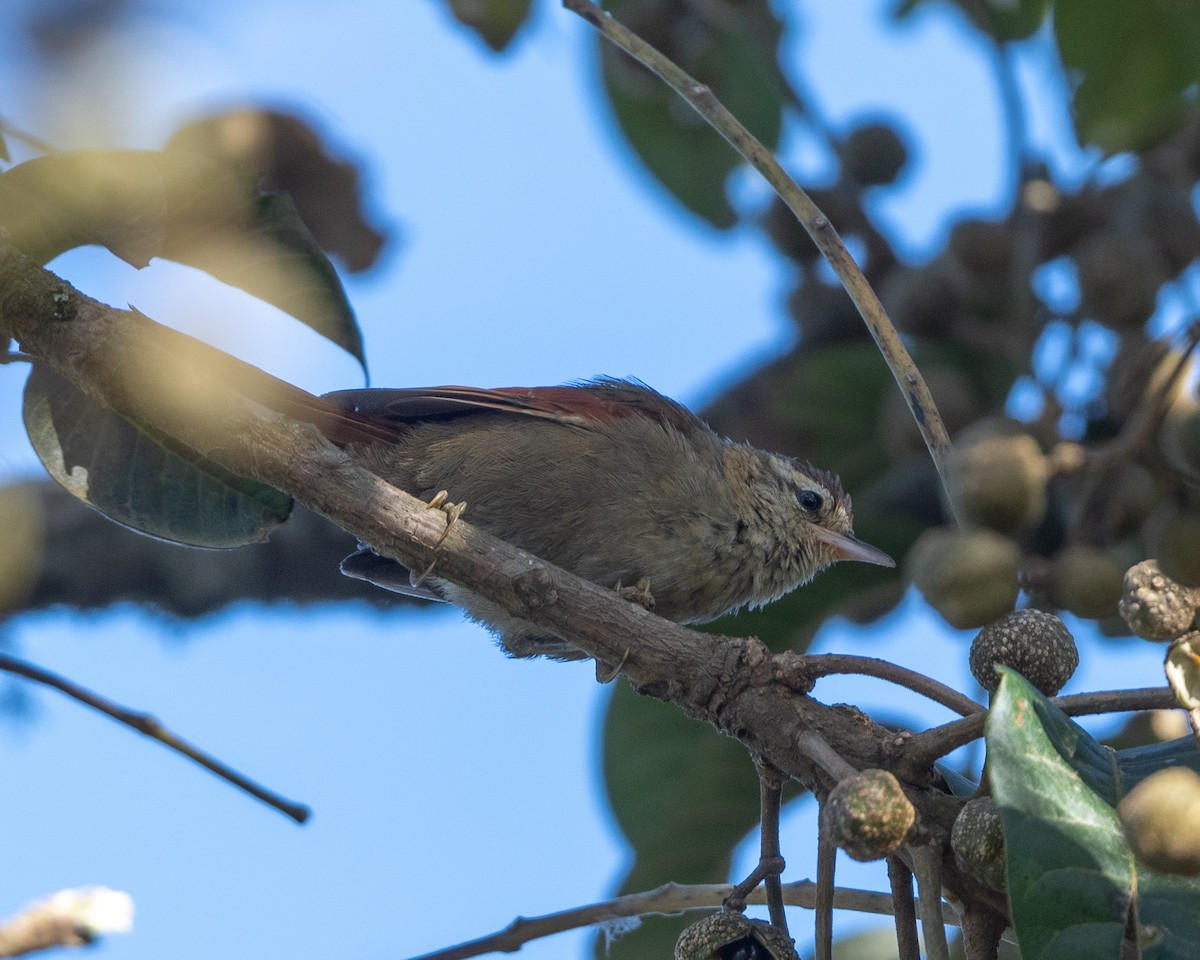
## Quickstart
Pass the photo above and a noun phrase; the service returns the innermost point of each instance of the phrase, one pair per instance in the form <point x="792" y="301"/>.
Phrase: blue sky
<point x="453" y="789"/>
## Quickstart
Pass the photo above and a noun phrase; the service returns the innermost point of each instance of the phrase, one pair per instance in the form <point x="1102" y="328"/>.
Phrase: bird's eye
<point x="810" y="501"/>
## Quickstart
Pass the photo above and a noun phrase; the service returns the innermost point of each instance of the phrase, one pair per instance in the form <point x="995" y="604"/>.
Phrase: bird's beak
<point x="845" y="547"/>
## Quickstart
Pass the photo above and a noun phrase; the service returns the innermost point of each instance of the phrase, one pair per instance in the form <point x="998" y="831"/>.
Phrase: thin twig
<point x="771" y="798"/>
<point x="701" y="98"/>
<point x="927" y="868"/>
<point x="29" y="139"/>
<point x="826" y="897"/>
<point x="924" y="748"/>
<point x="828" y="664"/>
<point x="669" y="899"/>
<point x="147" y="725"/>
<point x="817" y="749"/>
<point x="901" y="879"/>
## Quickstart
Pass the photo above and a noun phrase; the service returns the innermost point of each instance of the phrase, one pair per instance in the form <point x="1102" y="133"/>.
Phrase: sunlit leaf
<point x="185" y="208"/>
<point x="1071" y="876"/>
<point x="141" y="478"/>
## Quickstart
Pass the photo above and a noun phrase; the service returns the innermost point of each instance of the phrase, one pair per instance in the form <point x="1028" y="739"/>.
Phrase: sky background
<point x="452" y="789"/>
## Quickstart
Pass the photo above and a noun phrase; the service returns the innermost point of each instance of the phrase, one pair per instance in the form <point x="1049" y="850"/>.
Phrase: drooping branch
<point x="816" y="224"/>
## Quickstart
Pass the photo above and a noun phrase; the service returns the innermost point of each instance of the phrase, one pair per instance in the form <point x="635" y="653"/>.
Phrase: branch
<point x="828" y="664"/>
<point x="173" y="384"/>
<point x="701" y="98"/>
<point x="145" y="724"/>
<point x="922" y="749"/>
<point x="669" y="899"/>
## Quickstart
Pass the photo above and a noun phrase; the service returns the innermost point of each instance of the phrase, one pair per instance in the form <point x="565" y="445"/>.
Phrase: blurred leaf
<point x="195" y="211"/>
<point x="682" y="795"/>
<point x="23" y="545"/>
<point x="1002" y="19"/>
<point x="1071" y="876"/>
<point x="142" y="478"/>
<point x="291" y="157"/>
<point x="5" y="156"/>
<point x="1132" y="63"/>
<point x="731" y="47"/>
<point x="496" y="21"/>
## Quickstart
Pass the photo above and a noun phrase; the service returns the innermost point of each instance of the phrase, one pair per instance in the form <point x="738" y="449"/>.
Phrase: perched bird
<point x="607" y="479"/>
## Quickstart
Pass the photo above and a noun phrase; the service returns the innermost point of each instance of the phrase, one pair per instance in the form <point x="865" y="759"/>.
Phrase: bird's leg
<point x="639" y="593"/>
<point x="441" y="501"/>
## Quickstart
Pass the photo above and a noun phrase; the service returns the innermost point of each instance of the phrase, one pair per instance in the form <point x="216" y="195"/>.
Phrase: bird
<point x="606" y="478"/>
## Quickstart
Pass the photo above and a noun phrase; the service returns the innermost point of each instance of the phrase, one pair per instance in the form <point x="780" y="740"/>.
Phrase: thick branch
<point x="167" y="381"/>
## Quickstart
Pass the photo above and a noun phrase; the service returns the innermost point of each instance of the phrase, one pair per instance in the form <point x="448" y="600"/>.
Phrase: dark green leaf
<point x="182" y="207"/>
<point x="1001" y="20"/>
<point x="683" y="796"/>
<point x="1132" y="63"/>
<point x="140" y="477"/>
<point x="1071" y="875"/>
<point x="496" y="21"/>
<point x="735" y="53"/>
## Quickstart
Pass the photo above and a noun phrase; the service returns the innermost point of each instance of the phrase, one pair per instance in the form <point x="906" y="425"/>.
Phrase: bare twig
<point x="812" y="745"/>
<point x="669" y="899"/>
<point x="146" y="724"/>
<point x="928" y="871"/>
<point x="702" y="100"/>
<point x="826" y="898"/>
<point x="828" y="664"/>
<point x="901" y="879"/>
<point x="924" y="748"/>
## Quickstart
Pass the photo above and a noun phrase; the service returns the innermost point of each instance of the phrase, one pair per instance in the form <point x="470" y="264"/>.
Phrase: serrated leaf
<point x="1132" y="63"/>
<point x="141" y="478"/>
<point x="736" y="54"/>
<point x="1071" y="876"/>
<point x="181" y="207"/>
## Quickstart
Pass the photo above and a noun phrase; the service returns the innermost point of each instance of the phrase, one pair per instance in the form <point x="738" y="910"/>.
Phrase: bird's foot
<point x="639" y="593"/>
<point x="453" y="511"/>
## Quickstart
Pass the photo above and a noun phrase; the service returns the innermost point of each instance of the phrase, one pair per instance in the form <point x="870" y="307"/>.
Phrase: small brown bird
<point x="607" y="479"/>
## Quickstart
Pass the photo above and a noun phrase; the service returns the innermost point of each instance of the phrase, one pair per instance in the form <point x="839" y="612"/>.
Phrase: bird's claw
<point x="453" y="511"/>
<point x="639" y="593"/>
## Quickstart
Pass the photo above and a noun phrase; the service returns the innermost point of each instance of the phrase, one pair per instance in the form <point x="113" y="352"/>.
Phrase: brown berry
<point x="1154" y="605"/>
<point x="726" y="934"/>
<point x="978" y="841"/>
<point x="873" y="155"/>
<point x="1161" y="817"/>
<point x="868" y="814"/>
<point x="997" y="477"/>
<point x="1087" y="581"/>
<point x="969" y="577"/>
<point x="1036" y="644"/>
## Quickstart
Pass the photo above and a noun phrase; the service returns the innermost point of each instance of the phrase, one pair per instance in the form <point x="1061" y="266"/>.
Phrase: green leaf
<point x="682" y="795"/>
<point x="181" y="207"/>
<point x="141" y="478"/>
<point x="1133" y="63"/>
<point x="1071" y="876"/>
<point x="1001" y="19"/>
<point x="736" y="55"/>
<point x="496" y="21"/>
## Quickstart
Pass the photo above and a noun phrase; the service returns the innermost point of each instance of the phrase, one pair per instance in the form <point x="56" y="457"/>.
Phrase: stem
<point x="928" y="871"/>
<point x="700" y="97"/>
<point x="924" y="748"/>
<point x="146" y="724"/>
<point x="826" y="868"/>
<point x="828" y="664"/>
<point x="901" y="878"/>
